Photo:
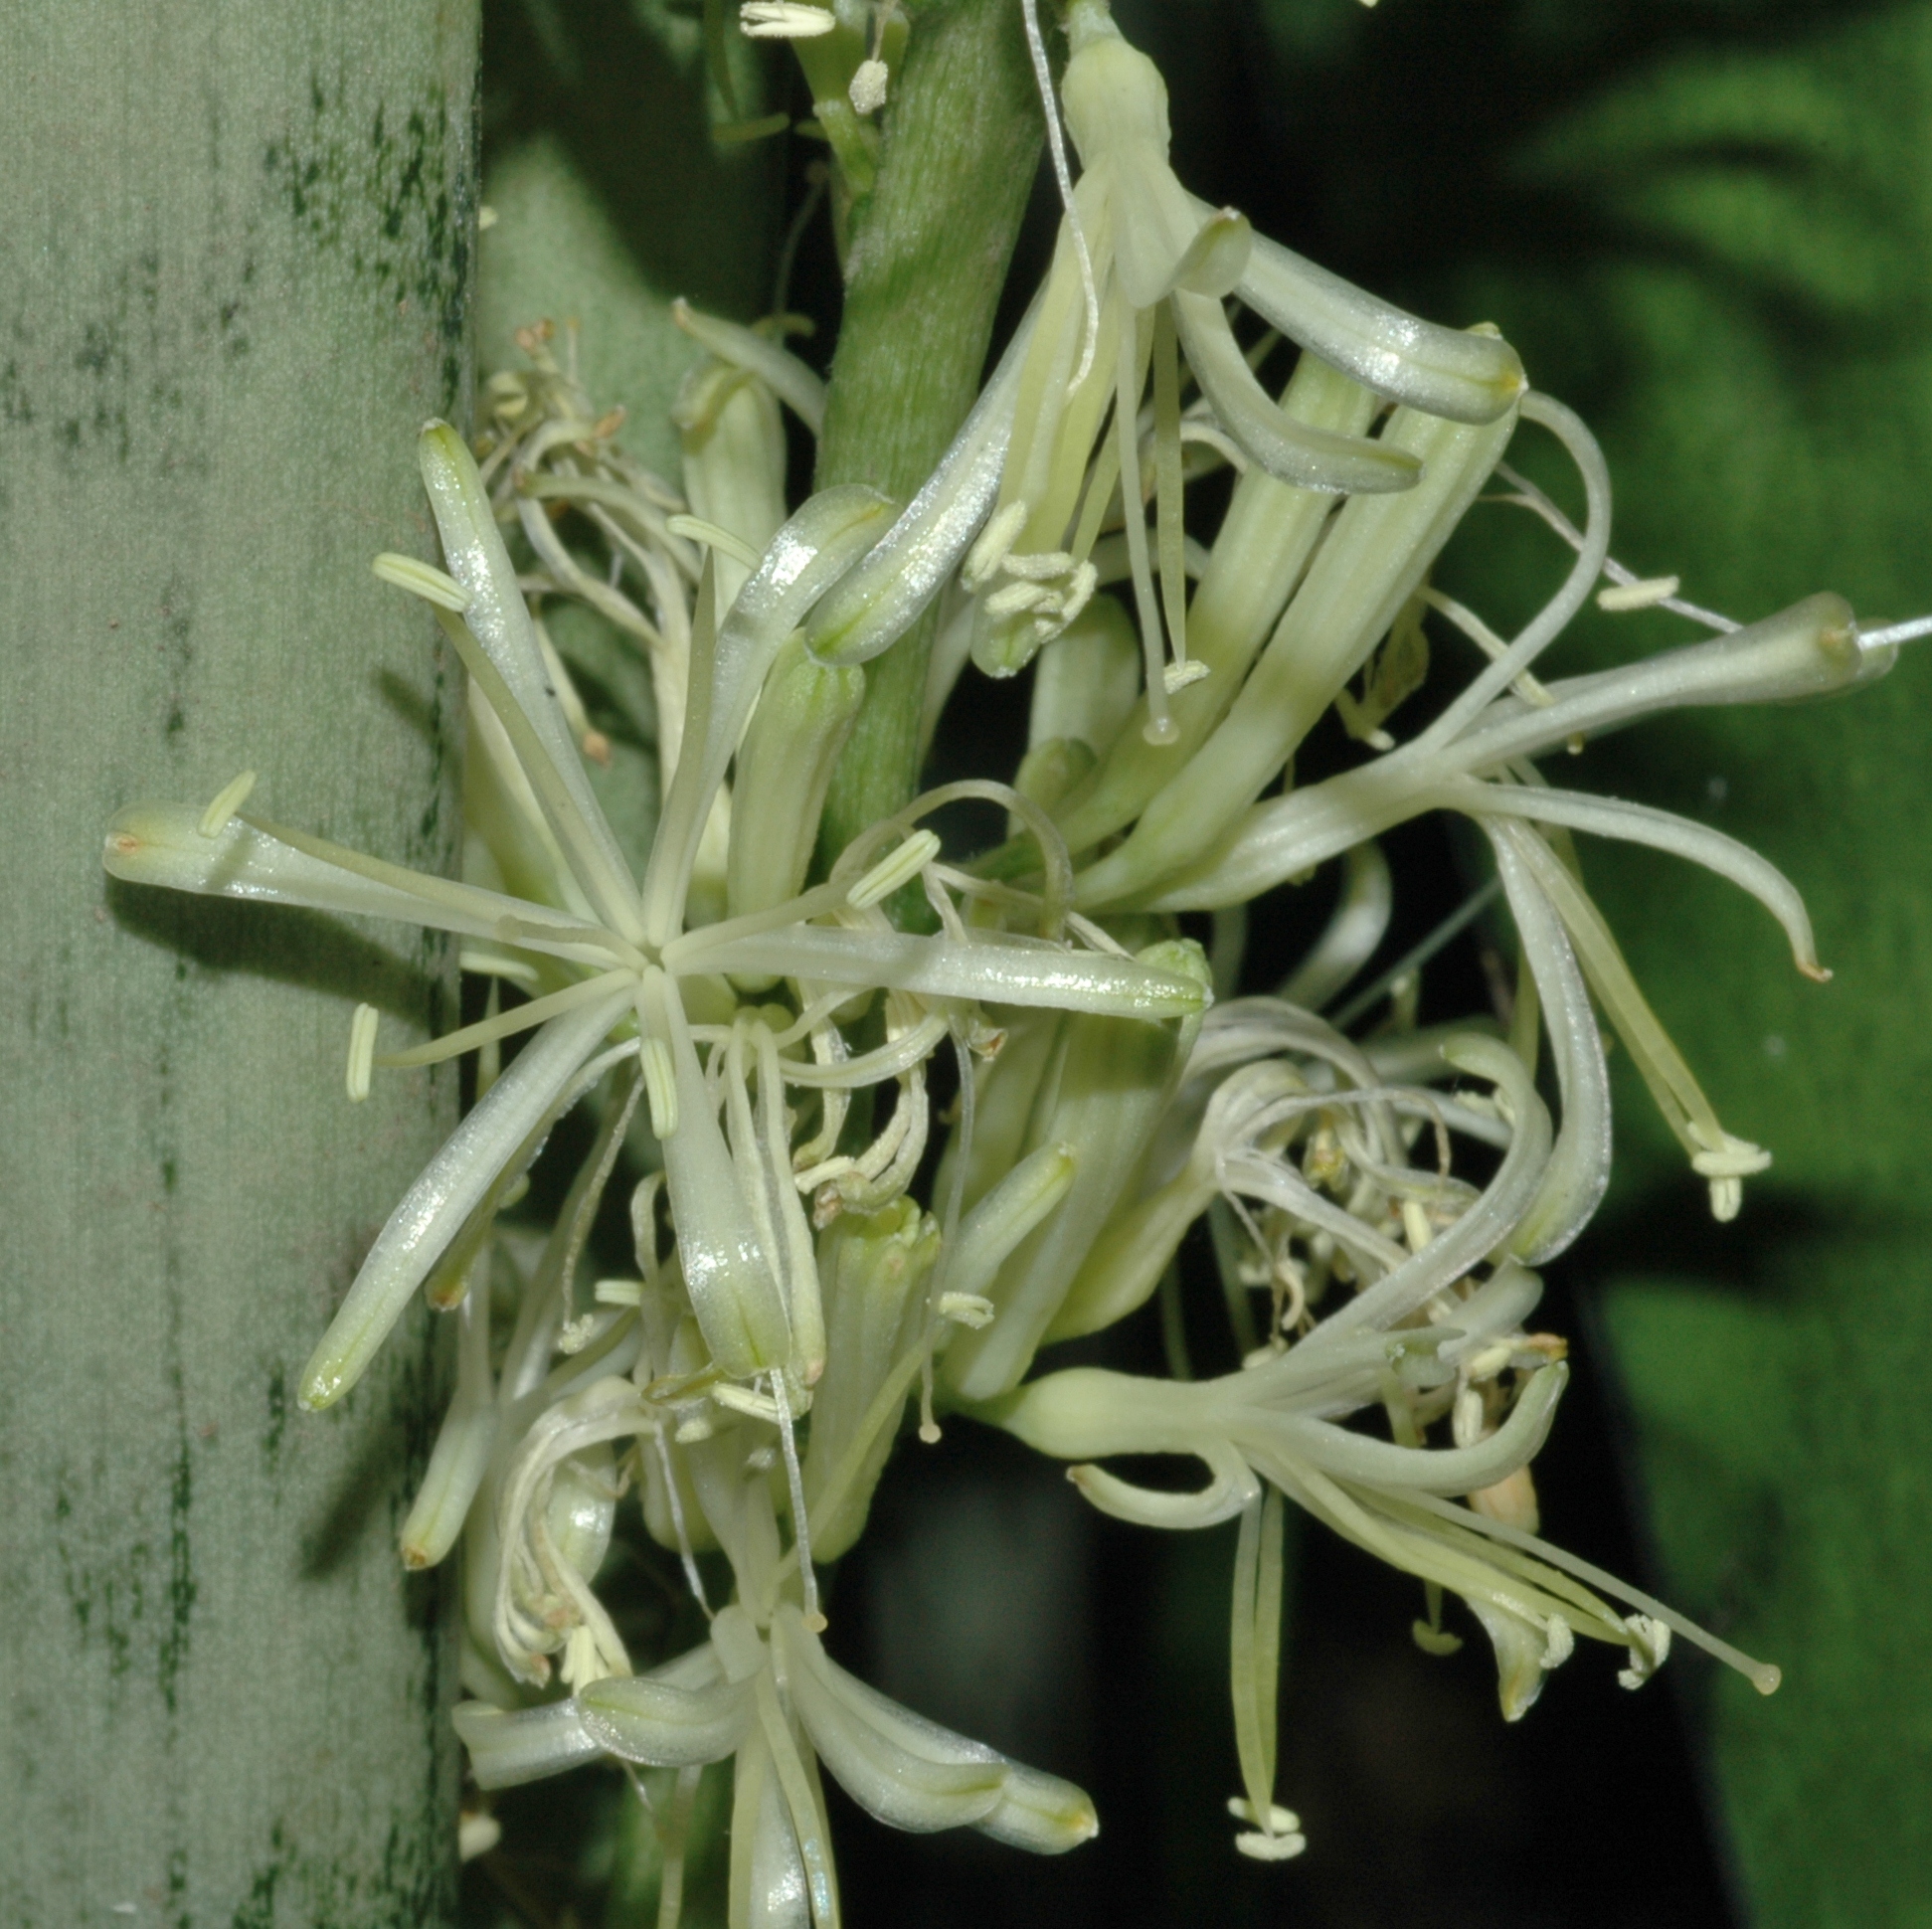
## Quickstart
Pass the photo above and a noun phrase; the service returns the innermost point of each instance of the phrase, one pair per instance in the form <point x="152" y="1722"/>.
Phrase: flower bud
<point x="785" y="766"/>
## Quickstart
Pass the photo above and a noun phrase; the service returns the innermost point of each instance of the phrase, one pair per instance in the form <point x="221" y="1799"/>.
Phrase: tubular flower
<point x="762" y="1692"/>
<point x="877" y="1159"/>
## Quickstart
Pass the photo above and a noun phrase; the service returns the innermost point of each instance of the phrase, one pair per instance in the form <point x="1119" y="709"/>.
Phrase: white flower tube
<point x="434" y="1209"/>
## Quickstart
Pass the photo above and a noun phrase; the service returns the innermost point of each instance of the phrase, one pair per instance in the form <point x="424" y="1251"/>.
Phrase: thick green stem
<point x="928" y="254"/>
<point x="236" y="274"/>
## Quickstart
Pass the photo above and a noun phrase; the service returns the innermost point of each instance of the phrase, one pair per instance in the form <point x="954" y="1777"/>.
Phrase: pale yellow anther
<point x="362" y="1051"/>
<point x="1415" y="1225"/>
<point x="1018" y="598"/>
<point x="1490" y="1361"/>
<point x="1650" y="590"/>
<point x="1736" y="1158"/>
<point x="1177" y="676"/>
<point x="1280" y="1821"/>
<point x="783" y="20"/>
<point x="575" y="1335"/>
<point x="1650" y="1647"/>
<point x="228" y="799"/>
<point x="618" y="1293"/>
<point x="896" y="868"/>
<point x="1278" y="1840"/>
<point x="995" y="545"/>
<point x="477" y="1833"/>
<point x="966" y="1310"/>
<point x="482" y="963"/>
<point x="423" y="580"/>
<point x="760" y="1406"/>
<point x="661" y="1086"/>
<point x="1038" y="565"/>
<point x="1078" y="592"/>
<point x="867" y="91"/>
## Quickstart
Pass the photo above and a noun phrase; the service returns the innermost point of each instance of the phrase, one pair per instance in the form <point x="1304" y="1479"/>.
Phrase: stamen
<point x="800" y="1514"/>
<point x="1894" y="633"/>
<point x="488" y="1030"/>
<point x="1063" y="178"/>
<point x="898" y="868"/>
<point x="1161" y="727"/>
<point x="692" y="1578"/>
<point x="743" y="1399"/>
<point x="228" y="799"/>
<point x="1592" y="553"/>
<point x="1016" y="598"/>
<point x="697" y="530"/>
<point x="994" y="544"/>
<point x="597" y="870"/>
<point x="423" y="580"/>
<point x="1168" y="507"/>
<point x="1451" y="927"/>
<point x="1526" y="686"/>
<point x="495" y="964"/>
<point x="1041" y="566"/>
<point x="362" y="1051"/>
<point x="1529" y="496"/>
<point x="1644" y="594"/>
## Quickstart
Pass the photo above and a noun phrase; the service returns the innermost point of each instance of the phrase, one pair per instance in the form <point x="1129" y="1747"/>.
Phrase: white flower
<point x="774" y="1703"/>
<point x="613" y="949"/>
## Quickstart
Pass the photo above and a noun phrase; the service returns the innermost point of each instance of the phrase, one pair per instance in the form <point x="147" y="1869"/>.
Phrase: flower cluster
<point x="811" y="1256"/>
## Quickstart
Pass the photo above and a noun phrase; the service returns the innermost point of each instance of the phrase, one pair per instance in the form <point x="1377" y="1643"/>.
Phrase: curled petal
<point x="1579" y="1166"/>
<point x="1360" y="1459"/>
<point x="1233" y="1488"/>
<point x="1012" y="1803"/>
<point x="1217" y="257"/>
<point x="900" y="1788"/>
<point x="1810" y="649"/>
<point x="1640" y="823"/>
<point x="1312" y="459"/>
<point x="525" y="1744"/>
<point x="1040" y="1812"/>
<point x="644" y="1721"/>
<point x="465" y="1440"/>
<point x="1525" y="1650"/>
<point x="1466" y="374"/>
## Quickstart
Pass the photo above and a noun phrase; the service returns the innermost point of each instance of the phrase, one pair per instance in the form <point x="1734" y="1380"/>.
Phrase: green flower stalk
<point x="807" y="1263"/>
